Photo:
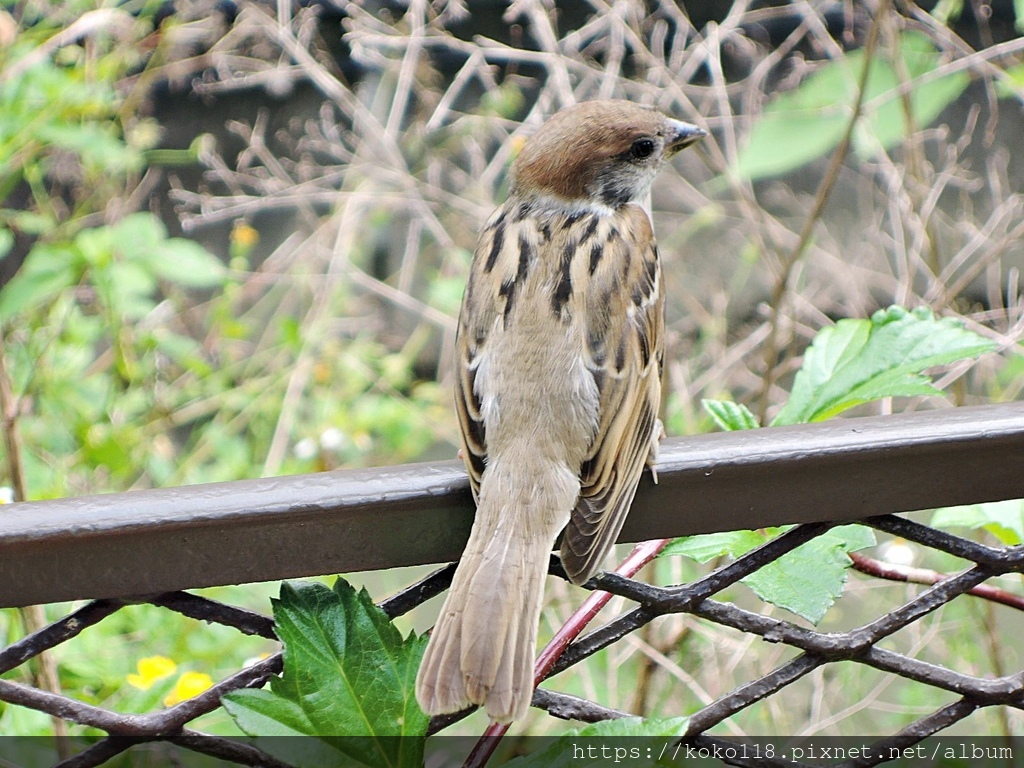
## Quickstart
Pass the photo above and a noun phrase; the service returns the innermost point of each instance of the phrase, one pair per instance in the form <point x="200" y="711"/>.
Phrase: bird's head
<point x="599" y="153"/>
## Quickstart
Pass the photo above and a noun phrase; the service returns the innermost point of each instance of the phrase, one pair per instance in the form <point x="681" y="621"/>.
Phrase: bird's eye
<point x="642" y="148"/>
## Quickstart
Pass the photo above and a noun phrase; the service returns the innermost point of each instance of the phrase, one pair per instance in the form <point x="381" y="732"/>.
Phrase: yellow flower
<point x="151" y="669"/>
<point x="243" y="235"/>
<point x="517" y="143"/>
<point x="189" y="684"/>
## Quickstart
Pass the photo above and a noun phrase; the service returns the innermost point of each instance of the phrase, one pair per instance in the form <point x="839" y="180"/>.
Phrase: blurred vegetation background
<point x="234" y="235"/>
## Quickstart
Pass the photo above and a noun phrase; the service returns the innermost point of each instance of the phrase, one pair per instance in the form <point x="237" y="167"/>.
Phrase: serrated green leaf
<point x="263" y="712"/>
<point x="730" y="416"/>
<point x="857" y="361"/>
<point x="708" y="546"/>
<point x="809" y="579"/>
<point x="805" y="581"/>
<point x="348" y="673"/>
<point x="1003" y="519"/>
<point x="267" y="714"/>
<point x="571" y="748"/>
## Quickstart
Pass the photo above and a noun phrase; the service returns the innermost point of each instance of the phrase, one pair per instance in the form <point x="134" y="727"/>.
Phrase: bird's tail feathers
<point x="482" y="647"/>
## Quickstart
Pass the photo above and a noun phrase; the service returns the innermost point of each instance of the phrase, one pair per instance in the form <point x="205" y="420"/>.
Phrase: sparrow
<point x="557" y="387"/>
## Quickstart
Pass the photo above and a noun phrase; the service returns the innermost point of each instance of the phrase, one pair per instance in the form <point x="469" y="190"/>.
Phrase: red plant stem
<point x="641" y="555"/>
<point x="892" y="572"/>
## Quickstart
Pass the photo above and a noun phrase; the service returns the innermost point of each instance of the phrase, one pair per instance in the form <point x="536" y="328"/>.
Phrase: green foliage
<point x="808" y="580"/>
<point x="506" y="101"/>
<point x="947" y="11"/>
<point x="1012" y="84"/>
<point x="710" y="546"/>
<point x="123" y="261"/>
<point x="805" y="581"/>
<point x="730" y="416"/>
<point x="60" y="117"/>
<point x="848" y="364"/>
<point x="348" y="673"/>
<point x="99" y="665"/>
<point x="859" y="361"/>
<point x="348" y="686"/>
<point x="131" y="380"/>
<point x="1003" y="519"/>
<point x="806" y="123"/>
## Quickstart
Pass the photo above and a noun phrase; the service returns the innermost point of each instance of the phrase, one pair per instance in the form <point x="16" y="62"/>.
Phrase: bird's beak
<point x="682" y="135"/>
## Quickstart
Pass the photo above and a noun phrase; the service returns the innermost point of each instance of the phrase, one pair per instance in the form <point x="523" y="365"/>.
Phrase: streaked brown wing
<point x="623" y="315"/>
<point x="482" y="304"/>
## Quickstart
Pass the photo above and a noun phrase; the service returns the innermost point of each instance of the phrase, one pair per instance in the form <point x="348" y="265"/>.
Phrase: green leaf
<point x="347" y="673"/>
<point x="805" y="581"/>
<point x="571" y="749"/>
<point x="1018" y="11"/>
<point x="730" y="416"/>
<point x="138" y="235"/>
<point x="1003" y="519"/>
<point x="94" y="144"/>
<point x="96" y="246"/>
<point x="858" y="361"/>
<point x="47" y="270"/>
<point x="947" y="11"/>
<point x="810" y="578"/>
<point x="29" y="222"/>
<point x="804" y="124"/>
<point x="1011" y="86"/>
<point x="267" y="714"/>
<point x="708" y="546"/>
<point x="885" y="123"/>
<point x="6" y="241"/>
<point x="187" y="263"/>
<point x="131" y="288"/>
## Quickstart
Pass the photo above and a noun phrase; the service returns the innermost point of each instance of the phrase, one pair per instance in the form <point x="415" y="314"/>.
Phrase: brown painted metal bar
<point x="144" y="542"/>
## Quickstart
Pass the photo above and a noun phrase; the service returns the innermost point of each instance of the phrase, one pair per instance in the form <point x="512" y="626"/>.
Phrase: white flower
<point x="305" y="449"/>
<point x="898" y="552"/>
<point x="332" y="438"/>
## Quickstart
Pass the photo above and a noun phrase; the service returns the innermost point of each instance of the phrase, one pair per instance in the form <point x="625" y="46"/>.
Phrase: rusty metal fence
<point x="148" y="546"/>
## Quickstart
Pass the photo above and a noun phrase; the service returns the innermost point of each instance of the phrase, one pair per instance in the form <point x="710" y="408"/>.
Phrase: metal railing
<point x="147" y="546"/>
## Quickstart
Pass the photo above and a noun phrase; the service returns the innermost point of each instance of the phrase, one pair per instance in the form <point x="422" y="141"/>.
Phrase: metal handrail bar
<point x="151" y="541"/>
